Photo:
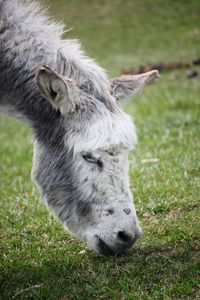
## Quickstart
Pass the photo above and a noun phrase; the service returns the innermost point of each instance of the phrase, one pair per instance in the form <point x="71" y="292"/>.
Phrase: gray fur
<point x="92" y="199"/>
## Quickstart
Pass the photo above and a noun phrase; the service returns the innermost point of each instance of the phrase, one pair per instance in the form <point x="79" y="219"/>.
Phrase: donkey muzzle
<point x="120" y="244"/>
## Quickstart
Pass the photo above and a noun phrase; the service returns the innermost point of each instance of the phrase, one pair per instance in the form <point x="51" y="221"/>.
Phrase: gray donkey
<point x="81" y="136"/>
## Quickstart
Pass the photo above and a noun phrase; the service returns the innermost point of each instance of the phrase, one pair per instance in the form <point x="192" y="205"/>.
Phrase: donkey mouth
<point x="105" y="250"/>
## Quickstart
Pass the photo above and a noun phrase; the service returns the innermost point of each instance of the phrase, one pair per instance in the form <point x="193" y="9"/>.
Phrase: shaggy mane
<point x="69" y="59"/>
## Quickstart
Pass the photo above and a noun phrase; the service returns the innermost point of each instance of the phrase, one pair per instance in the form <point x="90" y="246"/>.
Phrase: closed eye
<point x="90" y="159"/>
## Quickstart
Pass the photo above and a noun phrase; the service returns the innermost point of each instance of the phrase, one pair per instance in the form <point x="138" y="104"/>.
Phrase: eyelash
<point x="88" y="157"/>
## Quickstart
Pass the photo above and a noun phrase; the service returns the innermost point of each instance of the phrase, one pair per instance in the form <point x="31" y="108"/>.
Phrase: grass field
<point x="38" y="260"/>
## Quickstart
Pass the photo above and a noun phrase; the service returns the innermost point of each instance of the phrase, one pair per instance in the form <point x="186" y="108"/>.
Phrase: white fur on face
<point x="102" y="130"/>
<point x="109" y="140"/>
<point x="109" y="199"/>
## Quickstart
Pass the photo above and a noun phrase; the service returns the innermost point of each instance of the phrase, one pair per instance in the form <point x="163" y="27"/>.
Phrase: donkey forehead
<point x="101" y="131"/>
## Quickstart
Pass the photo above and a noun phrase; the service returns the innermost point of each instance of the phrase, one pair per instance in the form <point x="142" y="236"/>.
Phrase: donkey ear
<point x="61" y="92"/>
<point x="128" y="85"/>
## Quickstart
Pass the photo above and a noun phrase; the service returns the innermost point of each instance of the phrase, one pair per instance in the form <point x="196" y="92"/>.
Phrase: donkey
<point x="81" y="135"/>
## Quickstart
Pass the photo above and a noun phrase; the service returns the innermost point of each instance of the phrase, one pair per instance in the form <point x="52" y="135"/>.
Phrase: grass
<point x="41" y="261"/>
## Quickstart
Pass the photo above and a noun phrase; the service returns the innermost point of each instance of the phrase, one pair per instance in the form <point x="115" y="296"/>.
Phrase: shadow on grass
<point x="170" y="269"/>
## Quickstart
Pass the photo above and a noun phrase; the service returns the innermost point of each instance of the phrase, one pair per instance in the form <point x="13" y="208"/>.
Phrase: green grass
<point x="38" y="260"/>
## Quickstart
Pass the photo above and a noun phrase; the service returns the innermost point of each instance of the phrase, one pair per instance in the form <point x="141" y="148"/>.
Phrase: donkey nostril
<point x="123" y="236"/>
<point x="110" y="211"/>
<point x="127" y="211"/>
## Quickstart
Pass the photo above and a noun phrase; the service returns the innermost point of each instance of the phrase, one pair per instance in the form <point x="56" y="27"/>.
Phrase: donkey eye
<point x="88" y="157"/>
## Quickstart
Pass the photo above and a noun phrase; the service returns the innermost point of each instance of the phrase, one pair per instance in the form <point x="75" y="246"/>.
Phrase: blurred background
<point x="120" y="33"/>
<point x="41" y="261"/>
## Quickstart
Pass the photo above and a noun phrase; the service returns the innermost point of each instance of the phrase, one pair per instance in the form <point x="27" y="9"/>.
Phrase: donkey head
<point x="85" y="181"/>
